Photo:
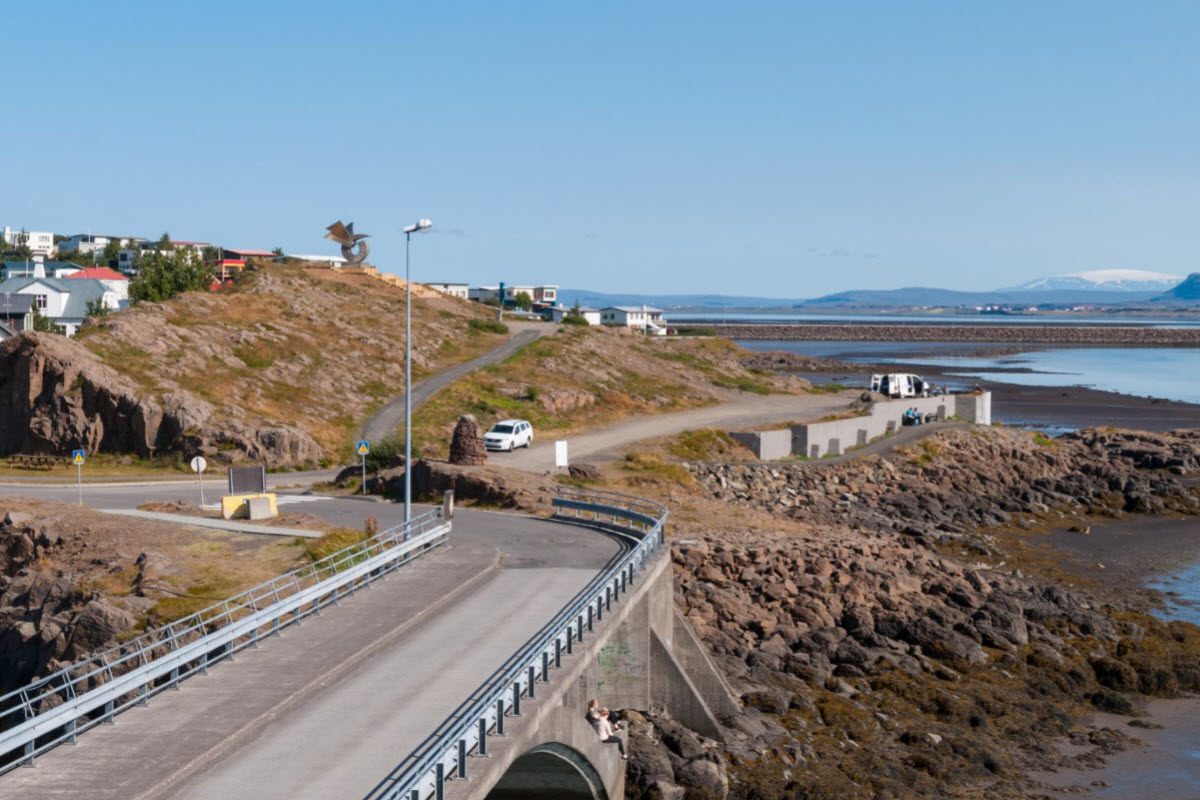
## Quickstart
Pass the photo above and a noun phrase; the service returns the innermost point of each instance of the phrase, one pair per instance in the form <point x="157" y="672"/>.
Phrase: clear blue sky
<point x="786" y="149"/>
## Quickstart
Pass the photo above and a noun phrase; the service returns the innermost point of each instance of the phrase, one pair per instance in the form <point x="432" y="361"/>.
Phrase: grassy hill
<point x="294" y="346"/>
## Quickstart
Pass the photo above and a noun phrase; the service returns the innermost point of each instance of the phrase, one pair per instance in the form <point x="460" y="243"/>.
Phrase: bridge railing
<point x="60" y="706"/>
<point x="445" y="754"/>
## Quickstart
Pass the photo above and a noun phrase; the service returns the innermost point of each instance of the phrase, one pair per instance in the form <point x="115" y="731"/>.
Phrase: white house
<point x="484" y="294"/>
<point x="115" y="282"/>
<point x="88" y="243"/>
<point x="452" y="289"/>
<point x="641" y="317"/>
<point x="41" y="243"/>
<point x="590" y="315"/>
<point x="63" y="300"/>
<point x="317" y="260"/>
<point x="546" y="293"/>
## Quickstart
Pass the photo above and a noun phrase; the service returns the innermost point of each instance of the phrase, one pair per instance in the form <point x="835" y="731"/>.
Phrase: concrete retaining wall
<point x="819" y="439"/>
<point x="766" y="445"/>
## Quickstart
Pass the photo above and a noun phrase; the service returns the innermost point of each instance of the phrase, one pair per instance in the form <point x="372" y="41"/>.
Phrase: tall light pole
<point x="422" y="226"/>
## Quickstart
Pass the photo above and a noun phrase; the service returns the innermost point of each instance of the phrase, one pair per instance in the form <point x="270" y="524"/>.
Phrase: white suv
<point x="509" y="434"/>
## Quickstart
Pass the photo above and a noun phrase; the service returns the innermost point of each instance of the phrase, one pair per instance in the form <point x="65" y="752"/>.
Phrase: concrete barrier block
<point x="835" y="447"/>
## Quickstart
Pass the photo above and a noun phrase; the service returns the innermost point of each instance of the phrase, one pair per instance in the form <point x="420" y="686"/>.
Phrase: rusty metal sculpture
<point x="348" y="239"/>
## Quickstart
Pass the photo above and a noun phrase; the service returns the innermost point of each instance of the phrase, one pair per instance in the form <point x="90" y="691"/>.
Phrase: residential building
<point x="452" y="289"/>
<point x="88" y="243"/>
<point x="556" y="314"/>
<point x="115" y="282"/>
<point x="16" y="312"/>
<point x="484" y="294"/>
<point x="641" y="317"/>
<point x="315" y="260"/>
<point x="547" y="294"/>
<point x="30" y="269"/>
<point x="40" y="243"/>
<point x="64" y="301"/>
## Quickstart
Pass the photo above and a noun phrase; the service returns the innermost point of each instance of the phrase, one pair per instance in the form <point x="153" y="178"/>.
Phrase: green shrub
<point x="575" y="319"/>
<point x="489" y="325"/>
<point x="385" y="452"/>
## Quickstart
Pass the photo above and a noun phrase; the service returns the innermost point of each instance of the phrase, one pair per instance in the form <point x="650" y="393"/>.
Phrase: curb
<point x="312" y="687"/>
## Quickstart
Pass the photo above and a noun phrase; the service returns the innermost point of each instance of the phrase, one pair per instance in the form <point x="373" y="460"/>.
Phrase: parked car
<point x="509" y="434"/>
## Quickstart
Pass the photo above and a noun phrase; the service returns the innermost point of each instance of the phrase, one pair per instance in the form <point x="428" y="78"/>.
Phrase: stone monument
<point x="467" y="446"/>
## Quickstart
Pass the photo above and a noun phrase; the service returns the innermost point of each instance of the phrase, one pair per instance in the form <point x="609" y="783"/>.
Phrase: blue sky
<point x="785" y="149"/>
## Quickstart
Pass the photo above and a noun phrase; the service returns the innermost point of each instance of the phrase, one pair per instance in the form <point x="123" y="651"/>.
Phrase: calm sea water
<point x="1171" y="373"/>
<point x="927" y="319"/>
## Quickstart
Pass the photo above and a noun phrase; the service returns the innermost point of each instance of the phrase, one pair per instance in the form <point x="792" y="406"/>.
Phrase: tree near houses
<point x="523" y="301"/>
<point x="165" y="274"/>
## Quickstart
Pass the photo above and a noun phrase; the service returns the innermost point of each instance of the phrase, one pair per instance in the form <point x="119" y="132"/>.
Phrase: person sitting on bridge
<point x="593" y="714"/>
<point x="608" y="734"/>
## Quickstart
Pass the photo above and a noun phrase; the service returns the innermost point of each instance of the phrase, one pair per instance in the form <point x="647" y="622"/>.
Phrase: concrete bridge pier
<point x="643" y="655"/>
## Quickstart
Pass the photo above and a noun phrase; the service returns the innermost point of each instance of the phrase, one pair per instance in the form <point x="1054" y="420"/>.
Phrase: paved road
<point x="328" y="709"/>
<point x="746" y="412"/>
<point x="387" y="420"/>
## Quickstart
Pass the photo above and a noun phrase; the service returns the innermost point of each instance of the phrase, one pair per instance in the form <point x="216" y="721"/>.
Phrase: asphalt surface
<point x="744" y="413"/>
<point x="387" y="420"/>
<point x="329" y="708"/>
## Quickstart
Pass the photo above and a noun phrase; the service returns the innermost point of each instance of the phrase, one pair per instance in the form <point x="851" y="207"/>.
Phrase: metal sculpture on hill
<point x="348" y="239"/>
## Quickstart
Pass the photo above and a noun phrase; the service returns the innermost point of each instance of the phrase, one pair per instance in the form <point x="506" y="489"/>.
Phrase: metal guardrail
<point x="60" y="706"/>
<point x="445" y="754"/>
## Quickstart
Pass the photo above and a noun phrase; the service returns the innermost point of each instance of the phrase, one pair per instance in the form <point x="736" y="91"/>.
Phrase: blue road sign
<point x="77" y="457"/>
<point x="362" y="448"/>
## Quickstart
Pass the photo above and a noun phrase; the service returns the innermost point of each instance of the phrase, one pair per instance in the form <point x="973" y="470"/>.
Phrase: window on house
<point x="40" y="300"/>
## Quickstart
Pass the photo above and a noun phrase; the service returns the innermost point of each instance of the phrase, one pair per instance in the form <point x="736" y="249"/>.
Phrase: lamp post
<point x="423" y="225"/>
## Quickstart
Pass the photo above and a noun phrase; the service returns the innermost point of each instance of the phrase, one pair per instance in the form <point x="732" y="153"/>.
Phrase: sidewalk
<point x="220" y="524"/>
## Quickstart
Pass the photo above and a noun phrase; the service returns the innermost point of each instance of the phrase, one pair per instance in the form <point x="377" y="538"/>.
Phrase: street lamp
<point x="422" y="226"/>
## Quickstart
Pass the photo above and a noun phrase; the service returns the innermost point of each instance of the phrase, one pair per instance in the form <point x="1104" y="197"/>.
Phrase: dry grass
<point x="586" y="377"/>
<point x="290" y="345"/>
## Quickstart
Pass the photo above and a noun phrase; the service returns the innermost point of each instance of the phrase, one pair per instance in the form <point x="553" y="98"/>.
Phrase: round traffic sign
<point x="198" y="464"/>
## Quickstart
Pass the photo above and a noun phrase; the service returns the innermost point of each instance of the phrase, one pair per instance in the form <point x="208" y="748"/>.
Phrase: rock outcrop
<point x="889" y="650"/>
<point x="466" y="446"/>
<point x="56" y="396"/>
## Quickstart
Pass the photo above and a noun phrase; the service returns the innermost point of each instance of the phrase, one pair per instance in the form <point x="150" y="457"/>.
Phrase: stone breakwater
<point x="1036" y="334"/>
<point x="888" y="652"/>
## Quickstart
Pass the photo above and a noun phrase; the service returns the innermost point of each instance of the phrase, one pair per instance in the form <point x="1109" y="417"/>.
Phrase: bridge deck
<point x="328" y="709"/>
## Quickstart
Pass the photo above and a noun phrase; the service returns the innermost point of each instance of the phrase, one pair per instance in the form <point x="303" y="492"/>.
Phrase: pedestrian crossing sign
<point x="362" y="448"/>
<point x="77" y="458"/>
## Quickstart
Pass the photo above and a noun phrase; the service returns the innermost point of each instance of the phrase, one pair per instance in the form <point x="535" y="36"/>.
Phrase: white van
<point x="900" y="384"/>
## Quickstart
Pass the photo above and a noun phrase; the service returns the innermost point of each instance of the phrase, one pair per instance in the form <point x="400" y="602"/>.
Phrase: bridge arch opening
<point x="550" y="771"/>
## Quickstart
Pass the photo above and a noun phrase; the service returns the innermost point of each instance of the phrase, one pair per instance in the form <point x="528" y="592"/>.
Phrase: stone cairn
<point x="467" y="446"/>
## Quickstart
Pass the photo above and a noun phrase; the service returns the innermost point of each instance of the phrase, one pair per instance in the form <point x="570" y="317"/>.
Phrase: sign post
<point x="198" y="464"/>
<point x="77" y="458"/>
<point x="362" y="448"/>
<point x="560" y="454"/>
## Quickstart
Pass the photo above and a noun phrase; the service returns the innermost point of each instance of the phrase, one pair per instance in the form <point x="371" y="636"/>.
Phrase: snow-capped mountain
<point x="1104" y="280"/>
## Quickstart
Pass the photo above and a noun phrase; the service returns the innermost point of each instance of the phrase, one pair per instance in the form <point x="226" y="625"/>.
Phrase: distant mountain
<point x="671" y="302"/>
<point x="922" y="297"/>
<point x="1102" y="280"/>
<point x="1187" y="292"/>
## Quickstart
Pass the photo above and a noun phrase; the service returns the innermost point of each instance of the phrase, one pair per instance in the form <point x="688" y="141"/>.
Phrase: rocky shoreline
<point x="898" y="645"/>
<point x="1000" y="334"/>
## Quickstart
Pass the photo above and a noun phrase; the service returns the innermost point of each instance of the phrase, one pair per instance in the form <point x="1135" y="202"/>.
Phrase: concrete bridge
<point x="464" y="674"/>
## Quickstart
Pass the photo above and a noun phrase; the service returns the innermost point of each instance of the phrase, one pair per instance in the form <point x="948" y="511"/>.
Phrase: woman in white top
<point x="608" y="733"/>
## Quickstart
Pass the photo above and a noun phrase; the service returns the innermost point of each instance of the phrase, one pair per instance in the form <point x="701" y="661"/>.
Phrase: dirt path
<point x="387" y="420"/>
<point x="747" y="411"/>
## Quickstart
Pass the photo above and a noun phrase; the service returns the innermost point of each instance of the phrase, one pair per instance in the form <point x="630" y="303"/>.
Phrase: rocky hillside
<point x="588" y="376"/>
<point x="888" y="641"/>
<point x="72" y="579"/>
<point x="280" y="369"/>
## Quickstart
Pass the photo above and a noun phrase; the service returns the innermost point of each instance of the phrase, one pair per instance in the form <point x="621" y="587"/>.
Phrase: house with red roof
<point x="114" y="281"/>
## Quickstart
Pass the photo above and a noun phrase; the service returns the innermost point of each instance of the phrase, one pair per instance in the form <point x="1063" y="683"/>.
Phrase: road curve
<point x="329" y="708"/>
<point x="746" y="412"/>
<point x="385" y="421"/>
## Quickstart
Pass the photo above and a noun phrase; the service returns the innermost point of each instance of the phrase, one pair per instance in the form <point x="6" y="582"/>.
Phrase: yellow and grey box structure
<point x="249" y="506"/>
